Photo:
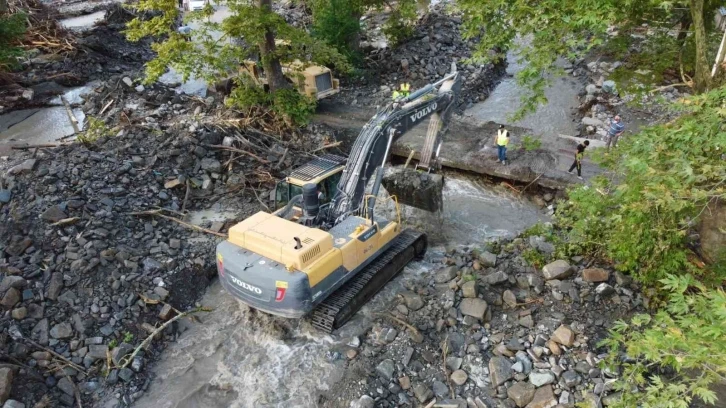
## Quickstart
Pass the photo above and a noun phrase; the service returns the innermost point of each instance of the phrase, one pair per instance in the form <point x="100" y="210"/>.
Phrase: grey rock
<point x="412" y="300"/>
<point x="609" y="87"/>
<point x="422" y="392"/>
<point x="496" y="278"/>
<point x="540" y="378"/>
<point x="53" y="214"/>
<point x="55" y="286"/>
<point x="454" y="363"/>
<point x="509" y="298"/>
<point x="592" y="89"/>
<point x="125" y="374"/>
<point x="98" y="351"/>
<point x="523" y="358"/>
<point x="488" y="259"/>
<point x="559" y="269"/>
<point x="16" y="282"/>
<point x="446" y="274"/>
<point x="570" y="378"/>
<point x="13" y="404"/>
<point x="386" y="368"/>
<point x="11" y="298"/>
<point x="137" y="364"/>
<point x="473" y="307"/>
<point x="500" y="370"/>
<point x="440" y="389"/>
<point x="120" y="352"/>
<point x="66" y="386"/>
<point x="364" y="402"/>
<point x="112" y="377"/>
<point x="40" y="332"/>
<point x="211" y="165"/>
<point x="604" y="290"/>
<point x="6" y="383"/>
<point x="62" y="331"/>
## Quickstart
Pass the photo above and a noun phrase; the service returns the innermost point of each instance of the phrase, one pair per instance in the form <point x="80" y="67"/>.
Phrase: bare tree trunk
<point x="3" y="6"/>
<point x="273" y="70"/>
<point x="702" y="77"/>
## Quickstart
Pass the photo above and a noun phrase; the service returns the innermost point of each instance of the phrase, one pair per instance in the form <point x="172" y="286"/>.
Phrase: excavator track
<point x="339" y="307"/>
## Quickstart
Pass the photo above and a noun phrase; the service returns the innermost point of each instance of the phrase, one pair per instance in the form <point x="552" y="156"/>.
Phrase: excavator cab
<point x="323" y="172"/>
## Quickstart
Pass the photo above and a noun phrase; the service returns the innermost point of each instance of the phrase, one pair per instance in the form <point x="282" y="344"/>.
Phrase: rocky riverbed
<point x="487" y="329"/>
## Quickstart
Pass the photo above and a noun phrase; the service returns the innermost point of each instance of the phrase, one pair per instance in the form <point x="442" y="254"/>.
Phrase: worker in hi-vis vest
<point x="403" y="91"/>
<point x="502" y="140"/>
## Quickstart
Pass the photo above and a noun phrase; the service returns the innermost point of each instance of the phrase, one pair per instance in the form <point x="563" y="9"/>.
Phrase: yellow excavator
<point x="325" y="252"/>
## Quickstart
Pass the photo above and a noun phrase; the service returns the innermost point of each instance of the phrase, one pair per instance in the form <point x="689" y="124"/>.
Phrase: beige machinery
<point x="325" y="252"/>
<point x="313" y="80"/>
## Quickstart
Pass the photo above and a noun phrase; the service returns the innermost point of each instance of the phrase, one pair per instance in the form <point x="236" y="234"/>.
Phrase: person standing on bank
<point x="616" y="129"/>
<point x="579" y="153"/>
<point x="502" y="140"/>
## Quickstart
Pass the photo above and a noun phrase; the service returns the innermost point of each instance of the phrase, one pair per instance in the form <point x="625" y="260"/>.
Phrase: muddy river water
<point x="242" y="358"/>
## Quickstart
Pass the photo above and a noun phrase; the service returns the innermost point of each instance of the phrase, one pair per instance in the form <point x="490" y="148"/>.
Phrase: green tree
<point x="12" y="27"/>
<point x="541" y="31"/>
<point x="219" y="48"/>
<point x="641" y="213"/>
<point x="337" y="22"/>
<point x="677" y="354"/>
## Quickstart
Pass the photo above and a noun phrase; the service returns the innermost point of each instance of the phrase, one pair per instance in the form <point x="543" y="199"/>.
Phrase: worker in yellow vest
<point x="402" y="92"/>
<point x="502" y="140"/>
<point x="405" y="89"/>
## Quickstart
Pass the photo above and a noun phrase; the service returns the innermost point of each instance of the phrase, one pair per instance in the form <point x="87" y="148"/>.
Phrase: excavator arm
<point x="371" y="149"/>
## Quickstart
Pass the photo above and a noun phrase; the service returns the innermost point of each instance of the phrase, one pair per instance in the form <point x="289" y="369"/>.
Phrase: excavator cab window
<point x="283" y="192"/>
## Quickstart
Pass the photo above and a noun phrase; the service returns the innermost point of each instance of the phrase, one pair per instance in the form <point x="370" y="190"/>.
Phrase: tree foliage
<point x="675" y="355"/>
<point x="220" y="47"/>
<point x="660" y="181"/>
<point x="542" y="31"/>
<point x="337" y="22"/>
<point x="12" y="27"/>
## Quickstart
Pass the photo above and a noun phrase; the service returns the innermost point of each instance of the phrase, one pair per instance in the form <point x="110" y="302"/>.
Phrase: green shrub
<point x="95" y="129"/>
<point x="534" y="258"/>
<point x="290" y="104"/>
<point x="659" y="183"/>
<point x="530" y="143"/>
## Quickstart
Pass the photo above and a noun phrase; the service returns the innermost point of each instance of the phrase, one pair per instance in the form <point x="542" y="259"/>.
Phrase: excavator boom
<point x="371" y="148"/>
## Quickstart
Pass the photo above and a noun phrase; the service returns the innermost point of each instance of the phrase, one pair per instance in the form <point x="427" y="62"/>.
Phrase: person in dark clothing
<point x="578" y="158"/>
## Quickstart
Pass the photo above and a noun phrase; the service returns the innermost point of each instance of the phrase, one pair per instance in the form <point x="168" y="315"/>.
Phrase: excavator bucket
<point x="415" y="188"/>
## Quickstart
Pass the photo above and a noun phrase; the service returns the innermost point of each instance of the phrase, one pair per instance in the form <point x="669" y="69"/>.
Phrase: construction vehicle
<point x="312" y="80"/>
<point x="325" y="252"/>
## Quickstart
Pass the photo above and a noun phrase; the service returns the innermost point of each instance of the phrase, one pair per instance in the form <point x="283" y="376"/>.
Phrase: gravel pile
<point x="425" y="58"/>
